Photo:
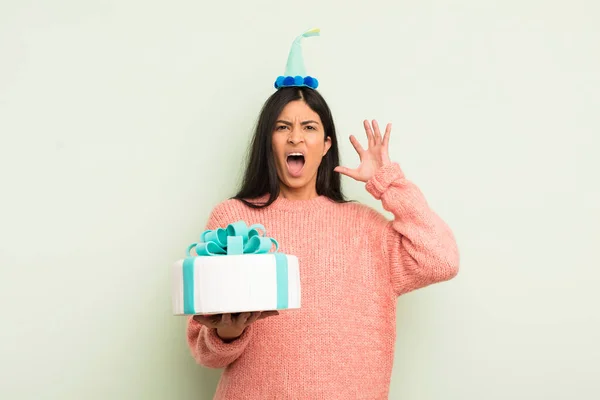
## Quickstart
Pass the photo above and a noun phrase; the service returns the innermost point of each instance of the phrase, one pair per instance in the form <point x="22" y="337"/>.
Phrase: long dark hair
<point x="260" y="177"/>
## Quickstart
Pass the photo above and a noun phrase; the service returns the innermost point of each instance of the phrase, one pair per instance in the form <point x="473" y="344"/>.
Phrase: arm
<point x="207" y="348"/>
<point x="420" y="247"/>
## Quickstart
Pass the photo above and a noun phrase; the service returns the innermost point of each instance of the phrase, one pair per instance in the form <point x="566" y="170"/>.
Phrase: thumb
<point x="352" y="173"/>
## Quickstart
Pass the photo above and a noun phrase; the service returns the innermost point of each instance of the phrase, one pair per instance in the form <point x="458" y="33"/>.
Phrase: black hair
<point x="260" y="177"/>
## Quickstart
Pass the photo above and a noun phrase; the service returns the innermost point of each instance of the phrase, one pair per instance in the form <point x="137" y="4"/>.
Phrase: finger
<point x="357" y="146"/>
<point x="206" y="321"/>
<point x="267" y="314"/>
<point x="352" y="173"/>
<point x="242" y="319"/>
<point x="226" y="320"/>
<point x="369" y="133"/>
<point x="253" y="317"/>
<point x="386" y="137"/>
<point x="377" y="133"/>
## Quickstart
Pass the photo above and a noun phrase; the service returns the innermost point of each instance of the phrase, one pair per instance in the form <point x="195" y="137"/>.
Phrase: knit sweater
<point x="354" y="263"/>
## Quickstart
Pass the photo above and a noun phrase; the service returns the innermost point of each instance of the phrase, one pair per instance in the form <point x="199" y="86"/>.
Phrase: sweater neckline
<point x="282" y="203"/>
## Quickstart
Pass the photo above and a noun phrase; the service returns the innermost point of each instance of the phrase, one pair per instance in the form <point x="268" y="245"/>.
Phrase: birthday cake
<point x="235" y="269"/>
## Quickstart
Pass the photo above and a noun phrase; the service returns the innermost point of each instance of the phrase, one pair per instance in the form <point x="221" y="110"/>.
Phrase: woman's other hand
<point x="374" y="157"/>
<point x="231" y="326"/>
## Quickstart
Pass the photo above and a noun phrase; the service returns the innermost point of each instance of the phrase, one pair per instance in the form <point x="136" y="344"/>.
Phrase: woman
<point x="354" y="263"/>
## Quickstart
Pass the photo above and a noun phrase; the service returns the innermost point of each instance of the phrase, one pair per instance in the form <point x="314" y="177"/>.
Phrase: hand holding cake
<point x="231" y="326"/>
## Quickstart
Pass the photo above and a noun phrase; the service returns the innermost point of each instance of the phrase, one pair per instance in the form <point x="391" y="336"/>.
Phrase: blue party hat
<point x="295" y="71"/>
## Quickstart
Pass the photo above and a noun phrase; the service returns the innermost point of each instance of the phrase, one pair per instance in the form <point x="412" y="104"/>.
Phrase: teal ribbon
<point x="235" y="239"/>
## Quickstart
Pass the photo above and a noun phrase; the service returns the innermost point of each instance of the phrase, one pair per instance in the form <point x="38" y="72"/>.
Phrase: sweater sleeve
<point x="206" y="347"/>
<point x="209" y="350"/>
<point x="418" y="244"/>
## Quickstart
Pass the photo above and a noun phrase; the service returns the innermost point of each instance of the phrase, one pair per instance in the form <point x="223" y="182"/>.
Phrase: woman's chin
<point x="295" y="182"/>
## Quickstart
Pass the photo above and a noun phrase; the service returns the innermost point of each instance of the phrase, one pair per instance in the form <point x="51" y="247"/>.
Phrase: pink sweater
<point x="354" y="264"/>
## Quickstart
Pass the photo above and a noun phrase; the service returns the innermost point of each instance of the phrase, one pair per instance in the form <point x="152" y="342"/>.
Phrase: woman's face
<point x="299" y="145"/>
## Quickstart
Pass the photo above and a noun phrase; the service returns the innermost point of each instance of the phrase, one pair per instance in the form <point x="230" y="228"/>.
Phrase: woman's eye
<point x="310" y="127"/>
<point x="281" y="127"/>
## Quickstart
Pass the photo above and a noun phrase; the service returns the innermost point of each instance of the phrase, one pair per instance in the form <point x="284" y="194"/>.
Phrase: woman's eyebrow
<point x="280" y="121"/>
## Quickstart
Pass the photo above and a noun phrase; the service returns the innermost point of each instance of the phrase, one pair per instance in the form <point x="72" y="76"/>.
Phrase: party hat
<point x="295" y="71"/>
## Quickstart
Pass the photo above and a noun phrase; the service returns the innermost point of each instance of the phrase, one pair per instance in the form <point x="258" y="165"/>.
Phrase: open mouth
<point x="295" y="163"/>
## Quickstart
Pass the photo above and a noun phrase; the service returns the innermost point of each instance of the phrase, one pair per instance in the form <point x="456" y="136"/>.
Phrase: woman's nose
<point x="295" y="136"/>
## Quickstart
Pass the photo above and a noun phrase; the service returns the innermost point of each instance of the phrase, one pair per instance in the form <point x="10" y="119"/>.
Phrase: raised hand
<point x="374" y="157"/>
<point x="231" y="326"/>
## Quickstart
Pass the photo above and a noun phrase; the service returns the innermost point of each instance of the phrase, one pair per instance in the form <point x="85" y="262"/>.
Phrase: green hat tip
<point x="295" y="64"/>
<point x="295" y="68"/>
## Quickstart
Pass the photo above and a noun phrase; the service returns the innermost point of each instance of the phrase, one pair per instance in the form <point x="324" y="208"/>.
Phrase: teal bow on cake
<point x="237" y="238"/>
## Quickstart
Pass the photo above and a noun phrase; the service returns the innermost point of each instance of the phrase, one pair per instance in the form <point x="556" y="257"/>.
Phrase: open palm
<point x="374" y="157"/>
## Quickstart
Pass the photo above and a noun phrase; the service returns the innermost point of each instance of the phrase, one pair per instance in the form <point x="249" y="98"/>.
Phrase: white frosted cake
<point x="232" y="270"/>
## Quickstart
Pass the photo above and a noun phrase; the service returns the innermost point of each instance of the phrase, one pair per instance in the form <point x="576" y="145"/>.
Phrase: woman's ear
<point x="327" y="145"/>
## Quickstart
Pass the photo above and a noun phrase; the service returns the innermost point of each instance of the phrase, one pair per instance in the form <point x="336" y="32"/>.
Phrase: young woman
<point x="354" y="263"/>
